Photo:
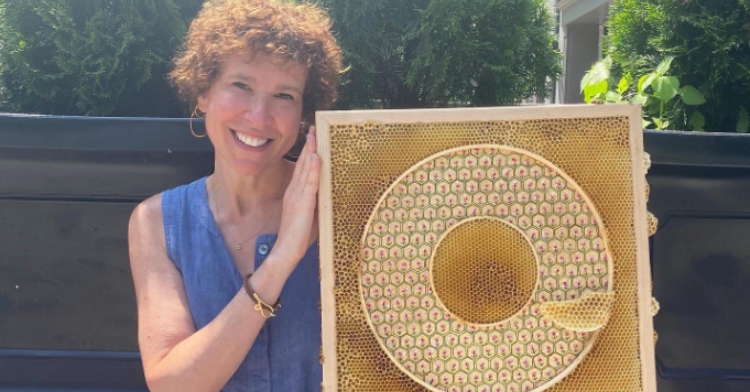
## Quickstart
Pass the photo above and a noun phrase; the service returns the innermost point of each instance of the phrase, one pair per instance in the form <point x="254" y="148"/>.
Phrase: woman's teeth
<point x="250" y="141"/>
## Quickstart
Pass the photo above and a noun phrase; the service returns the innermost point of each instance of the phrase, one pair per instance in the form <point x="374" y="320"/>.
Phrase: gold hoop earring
<point x="190" y="123"/>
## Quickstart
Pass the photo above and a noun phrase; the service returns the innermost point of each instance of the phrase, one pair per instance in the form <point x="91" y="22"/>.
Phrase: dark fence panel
<point x="67" y="188"/>
<point x="67" y="307"/>
<point x="701" y="259"/>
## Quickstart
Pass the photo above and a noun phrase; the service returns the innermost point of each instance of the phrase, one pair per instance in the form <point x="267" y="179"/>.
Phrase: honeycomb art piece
<point x="541" y="245"/>
<point x="483" y="250"/>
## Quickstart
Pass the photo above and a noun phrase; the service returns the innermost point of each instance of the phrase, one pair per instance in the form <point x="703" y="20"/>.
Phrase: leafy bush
<point x="427" y="53"/>
<point x="710" y="43"/>
<point x="663" y="98"/>
<point x="89" y="57"/>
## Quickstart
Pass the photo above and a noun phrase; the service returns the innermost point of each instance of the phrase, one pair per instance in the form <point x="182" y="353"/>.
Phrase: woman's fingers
<point x="312" y="163"/>
<point x="308" y="156"/>
<point x="302" y="169"/>
<point x="313" y="167"/>
<point x="301" y="159"/>
<point x="314" y="144"/>
<point x="300" y="200"/>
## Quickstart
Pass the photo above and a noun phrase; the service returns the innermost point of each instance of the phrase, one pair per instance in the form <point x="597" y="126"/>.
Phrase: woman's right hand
<point x="299" y="207"/>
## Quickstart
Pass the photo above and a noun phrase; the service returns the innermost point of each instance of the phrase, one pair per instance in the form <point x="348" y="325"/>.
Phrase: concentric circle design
<point x="416" y="312"/>
<point x="489" y="281"/>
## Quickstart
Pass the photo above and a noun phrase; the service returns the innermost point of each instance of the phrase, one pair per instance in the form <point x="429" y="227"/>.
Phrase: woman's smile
<point x="251" y="141"/>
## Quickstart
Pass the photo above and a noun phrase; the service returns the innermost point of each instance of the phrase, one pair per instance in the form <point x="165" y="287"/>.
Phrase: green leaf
<point x="743" y="124"/>
<point x="592" y="90"/>
<point x="697" y="121"/>
<point x="658" y="122"/>
<point x="622" y="87"/>
<point x="613" y="97"/>
<point x="691" y="96"/>
<point x="663" y="67"/>
<point x="653" y="108"/>
<point x="645" y="81"/>
<point x="666" y="87"/>
<point x="598" y="73"/>
<point x="645" y="123"/>
<point x="639" y="99"/>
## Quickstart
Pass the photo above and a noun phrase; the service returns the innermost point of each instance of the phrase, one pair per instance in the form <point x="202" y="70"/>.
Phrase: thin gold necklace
<point x="267" y="219"/>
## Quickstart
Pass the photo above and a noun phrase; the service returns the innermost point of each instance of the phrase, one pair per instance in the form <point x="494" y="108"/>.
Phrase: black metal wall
<point x="67" y="307"/>
<point x="67" y="188"/>
<point x="700" y="260"/>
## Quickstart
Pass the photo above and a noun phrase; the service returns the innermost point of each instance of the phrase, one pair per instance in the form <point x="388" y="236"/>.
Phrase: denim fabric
<point x="285" y="354"/>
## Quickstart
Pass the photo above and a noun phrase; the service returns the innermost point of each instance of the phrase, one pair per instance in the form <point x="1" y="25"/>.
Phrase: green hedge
<point x="111" y="57"/>
<point x="710" y="42"/>
<point x="90" y="57"/>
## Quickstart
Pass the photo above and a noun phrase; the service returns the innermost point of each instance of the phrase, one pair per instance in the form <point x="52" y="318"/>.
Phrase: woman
<point x="208" y="266"/>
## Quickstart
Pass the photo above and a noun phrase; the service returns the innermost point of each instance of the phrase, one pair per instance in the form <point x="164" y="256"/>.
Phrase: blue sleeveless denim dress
<point x="285" y="355"/>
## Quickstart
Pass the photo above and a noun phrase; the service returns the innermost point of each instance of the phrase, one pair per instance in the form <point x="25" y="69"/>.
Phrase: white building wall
<point x="581" y="35"/>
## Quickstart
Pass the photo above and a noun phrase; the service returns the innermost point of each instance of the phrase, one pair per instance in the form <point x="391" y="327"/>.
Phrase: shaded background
<point x="67" y="306"/>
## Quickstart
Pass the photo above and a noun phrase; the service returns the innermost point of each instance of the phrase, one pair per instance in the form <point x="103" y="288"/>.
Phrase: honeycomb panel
<point x="366" y="159"/>
<point x="488" y="283"/>
<point x="502" y="203"/>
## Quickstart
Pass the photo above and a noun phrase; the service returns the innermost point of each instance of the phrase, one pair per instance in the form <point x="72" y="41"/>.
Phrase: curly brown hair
<point x="285" y="31"/>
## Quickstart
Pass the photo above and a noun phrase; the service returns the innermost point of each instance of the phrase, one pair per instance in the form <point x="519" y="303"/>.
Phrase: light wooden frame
<point x="632" y="112"/>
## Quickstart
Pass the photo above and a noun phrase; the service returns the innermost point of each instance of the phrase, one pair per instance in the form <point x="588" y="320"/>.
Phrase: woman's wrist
<point x="271" y="276"/>
<point x="280" y="264"/>
<point x="264" y="308"/>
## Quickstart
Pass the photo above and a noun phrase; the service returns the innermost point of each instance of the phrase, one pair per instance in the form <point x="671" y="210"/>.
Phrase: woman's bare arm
<point x="175" y="356"/>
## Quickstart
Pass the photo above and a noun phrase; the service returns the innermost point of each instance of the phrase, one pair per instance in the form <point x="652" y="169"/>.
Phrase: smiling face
<point x="253" y="112"/>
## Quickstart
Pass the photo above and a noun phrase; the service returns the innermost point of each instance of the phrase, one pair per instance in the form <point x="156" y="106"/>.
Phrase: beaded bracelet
<point x="263" y="308"/>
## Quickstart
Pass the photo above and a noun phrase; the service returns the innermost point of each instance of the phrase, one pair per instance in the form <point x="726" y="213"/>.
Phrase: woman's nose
<point x="258" y="110"/>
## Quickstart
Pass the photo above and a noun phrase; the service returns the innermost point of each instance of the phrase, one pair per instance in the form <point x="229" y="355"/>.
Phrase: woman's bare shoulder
<point x="148" y="212"/>
<point x="146" y="230"/>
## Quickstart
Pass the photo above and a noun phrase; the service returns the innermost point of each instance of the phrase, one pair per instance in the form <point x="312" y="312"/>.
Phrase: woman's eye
<point x="285" y="96"/>
<point x="242" y="86"/>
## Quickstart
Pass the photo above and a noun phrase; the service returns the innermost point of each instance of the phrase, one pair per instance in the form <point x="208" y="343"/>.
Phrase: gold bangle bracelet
<point x="262" y="307"/>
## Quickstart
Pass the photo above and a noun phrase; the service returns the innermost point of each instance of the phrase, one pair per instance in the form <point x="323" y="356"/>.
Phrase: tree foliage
<point x="429" y="53"/>
<point x="111" y="57"/>
<point x="85" y="57"/>
<point x="710" y="43"/>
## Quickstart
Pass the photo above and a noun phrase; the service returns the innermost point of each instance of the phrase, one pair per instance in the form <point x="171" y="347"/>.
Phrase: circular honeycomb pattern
<point x="487" y="283"/>
<point x="451" y="352"/>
